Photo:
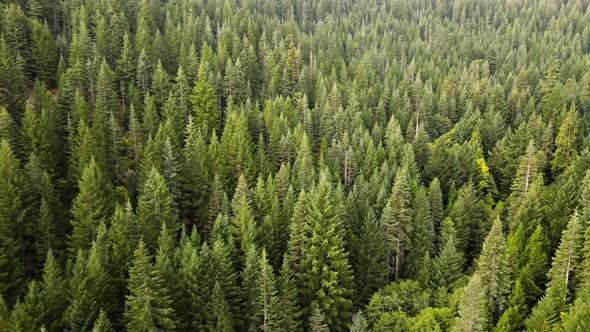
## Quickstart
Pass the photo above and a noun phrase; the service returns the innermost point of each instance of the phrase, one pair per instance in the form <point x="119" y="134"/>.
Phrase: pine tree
<point x="566" y="142"/>
<point x="422" y="234"/>
<point x="222" y="317"/>
<point x="43" y="52"/>
<point x="102" y="323"/>
<point x="396" y="220"/>
<point x="92" y="206"/>
<point x="513" y="318"/>
<point x="469" y="214"/>
<point x="148" y="305"/>
<point x="243" y="226"/>
<point x="155" y="208"/>
<point x="267" y="302"/>
<point x="204" y="101"/>
<point x="435" y="199"/>
<point x="289" y="312"/>
<point x="225" y="293"/>
<point x="249" y="291"/>
<point x="533" y="271"/>
<point x="368" y="256"/>
<point x="303" y="168"/>
<point x="527" y="172"/>
<point x="565" y="262"/>
<point x="494" y="271"/>
<point x="359" y="323"/>
<point x="54" y="293"/>
<point x="13" y="222"/>
<point x="447" y="267"/>
<point x="298" y="236"/>
<point x="326" y="274"/>
<point x="316" y="321"/>
<point x="90" y="287"/>
<point x="472" y="312"/>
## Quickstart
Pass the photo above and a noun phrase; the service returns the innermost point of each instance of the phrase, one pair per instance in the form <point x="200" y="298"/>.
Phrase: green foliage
<point x="472" y="307"/>
<point x="494" y="271"/>
<point x="282" y="162"/>
<point x="147" y="307"/>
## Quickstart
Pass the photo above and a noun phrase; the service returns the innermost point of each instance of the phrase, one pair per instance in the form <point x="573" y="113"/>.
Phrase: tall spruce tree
<point x="327" y="279"/>
<point x="148" y="305"/>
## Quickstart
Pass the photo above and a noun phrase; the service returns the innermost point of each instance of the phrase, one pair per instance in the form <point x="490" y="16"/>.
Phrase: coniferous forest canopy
<point x="294" y="165"/>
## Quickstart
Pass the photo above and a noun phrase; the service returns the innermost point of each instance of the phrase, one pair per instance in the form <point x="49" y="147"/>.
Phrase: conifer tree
<point x="422" y="234"/>
<point x="102" y="323"/>
<point x="565" y="262"/>
<point x="533" y="271"/>
<point x="289" y="312"/>
<point x="566" y="142"/>
<point x="396" y="220"/>
<point x="249" y="291"/>
<point x="513" y="318"/>
<point x="204" y="101"/>
<point x="13" y="222"/>
<point x="43" y="52"/>
<point x="494" y="271"/>
<point x="148" y="305"/>
<point x="222" y="317"/>
<point x="316" y="321"/>
<point x="359" y="323"/>
<point x="267" y="302"/>
<point x="469" y="214"/>
<point x="447" y="267"/>
<point x="326" y="274"/>
<point x="155" y="208"/>
<point x="368" y="256"/>
<point x="303" y="168"/>
<point x="90" y="287"/>
<point x="472" y="312"/>
<point x="243" y="226"/>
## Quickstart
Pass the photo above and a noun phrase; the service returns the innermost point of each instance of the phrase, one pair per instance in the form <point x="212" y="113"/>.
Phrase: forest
<point x="294" y="165"/>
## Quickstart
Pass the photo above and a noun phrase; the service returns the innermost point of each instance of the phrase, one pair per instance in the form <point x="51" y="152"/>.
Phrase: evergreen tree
<point x="494" y="271"/>
<point x="469" y="214"/>
<point x="359" y="323"/>
<point x="368" y="256"/>
<point x="472" y="312"/>
<point x="289" y="312"/>
<point x="267" y="302"/>
<point x="204" y="101"/>
<point x="155" y="208"/>
<point x="326" y="275"/>
<point x="316" y="321"/>
<point x="92" y="206"/>
<point x="243" y="226"/>
<point x="566" y="142"/>
<point x="102" y="323"/>
<point x="13" y="223"/>
<point x="90" y="287"/>
<point x="447" y="267"/>
<point x="43" y="52"/>
<point x="148" y="305"/>
<point x="396" y="220"/>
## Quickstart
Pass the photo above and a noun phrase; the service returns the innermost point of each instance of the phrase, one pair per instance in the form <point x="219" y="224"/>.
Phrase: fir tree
<point x="92" y="206"/>
<point x="566" y="142"/>
<point x="396" y="220"/>
<point x="204" y="101"/>
<point x="326" y="275"/>
<point x="472" y="312"/>
<point x="148" y="305"/>
<point x="494" y="271"/>
<point x="267" y="302"/>
<point x="155" y="208"/>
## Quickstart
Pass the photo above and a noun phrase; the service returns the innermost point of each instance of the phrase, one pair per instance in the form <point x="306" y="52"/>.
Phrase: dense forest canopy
<point x="291" y="165"/>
